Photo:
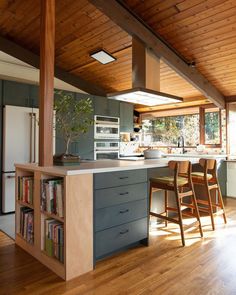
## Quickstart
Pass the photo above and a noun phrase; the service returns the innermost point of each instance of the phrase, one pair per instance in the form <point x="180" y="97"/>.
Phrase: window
<point x="197" y="126"/>
<point x="165" y="131"/>
<point x="212" y="127"/>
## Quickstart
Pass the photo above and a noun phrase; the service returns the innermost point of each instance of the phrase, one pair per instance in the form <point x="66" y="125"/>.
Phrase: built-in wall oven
<point x="106" y="150"/>
<point x="106" y="127"/>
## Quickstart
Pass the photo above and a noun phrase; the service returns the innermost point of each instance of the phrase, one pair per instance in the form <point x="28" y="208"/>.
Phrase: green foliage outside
<point x="73" y="116"/>
<point x="212" y="127"/>
<point x="164" y="131"/>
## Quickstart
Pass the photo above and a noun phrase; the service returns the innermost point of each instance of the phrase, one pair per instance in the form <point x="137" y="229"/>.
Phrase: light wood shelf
<point x="19" y="235"/>
<point x="54" y="216"/>
<point x="53" y="258"/>
<point x="77" y="221"/>
<point x="21" y="203"/>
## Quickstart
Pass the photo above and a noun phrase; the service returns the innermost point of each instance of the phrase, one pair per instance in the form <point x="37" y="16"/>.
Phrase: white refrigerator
<point x="20" y="145"/>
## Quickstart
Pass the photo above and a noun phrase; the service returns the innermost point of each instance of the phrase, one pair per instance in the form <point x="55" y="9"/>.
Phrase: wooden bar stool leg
<point x="194" y="201"/>
<point x="221" y="203"/>
<point x="166" y="205"/>
<point x="210" y="207"/>
<point x="180" y="218"/>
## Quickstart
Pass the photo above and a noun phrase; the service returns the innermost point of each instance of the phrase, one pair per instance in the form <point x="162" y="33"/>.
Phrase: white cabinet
<point x="231" y="179"/>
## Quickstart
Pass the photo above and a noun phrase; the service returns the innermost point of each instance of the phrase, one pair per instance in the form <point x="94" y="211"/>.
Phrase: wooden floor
<point x="203" y="266"/>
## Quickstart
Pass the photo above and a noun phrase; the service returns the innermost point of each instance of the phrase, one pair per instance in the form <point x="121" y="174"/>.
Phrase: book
<point x="27" y="224"/>
<point x="54" y="239"/>
<point x="25" y="189"/>
<point x="52" y="196"/>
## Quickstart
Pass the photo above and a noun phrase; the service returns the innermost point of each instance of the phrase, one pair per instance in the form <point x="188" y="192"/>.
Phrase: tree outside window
<point x="165" y="131"/>
<point x="212" y="127"/>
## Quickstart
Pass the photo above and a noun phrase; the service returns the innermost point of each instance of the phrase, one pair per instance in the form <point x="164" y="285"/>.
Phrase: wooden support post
<point x="47" y="52"/>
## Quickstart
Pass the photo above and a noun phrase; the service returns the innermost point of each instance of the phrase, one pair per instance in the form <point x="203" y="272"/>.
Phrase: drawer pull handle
<point x="124" y="177"/>
<point x="122" y="194"/>
<point x="124" y="232"/>
<point x="124" y="211"/>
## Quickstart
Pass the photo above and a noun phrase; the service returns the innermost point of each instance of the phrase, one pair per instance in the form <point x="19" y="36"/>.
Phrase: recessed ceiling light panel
<point x="103" y="57"/>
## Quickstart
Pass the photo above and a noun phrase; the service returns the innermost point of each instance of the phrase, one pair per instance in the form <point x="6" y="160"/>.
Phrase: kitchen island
<point x="105" y="210"/>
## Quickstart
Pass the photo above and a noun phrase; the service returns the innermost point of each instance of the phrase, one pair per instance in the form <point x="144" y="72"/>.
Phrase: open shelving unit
<point x="21" y="207"/>
<point x="77" y="222"/>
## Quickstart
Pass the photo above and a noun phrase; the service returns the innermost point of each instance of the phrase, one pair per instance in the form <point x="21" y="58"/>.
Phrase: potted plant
<point x="73" y="118"/>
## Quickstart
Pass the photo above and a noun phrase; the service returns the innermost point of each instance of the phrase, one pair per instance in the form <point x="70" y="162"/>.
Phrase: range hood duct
<point x="145" y="79"/>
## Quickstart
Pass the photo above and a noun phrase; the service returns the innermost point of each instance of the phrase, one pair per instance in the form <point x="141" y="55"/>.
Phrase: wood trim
<point x="25" y="55"/>
<point x="231" y="98"/>
<point x="202" y="128"/>
<point x="169" y="107"/>
<point x="47" y="57"/>
<point x="202" y="125"/>
<point x="128" y="21"/>
<point x="78" y="224"/>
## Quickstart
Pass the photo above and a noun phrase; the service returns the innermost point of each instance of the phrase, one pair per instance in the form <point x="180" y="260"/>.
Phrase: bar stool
<point x="208" y="178"/>
<point x="181" y="184"/>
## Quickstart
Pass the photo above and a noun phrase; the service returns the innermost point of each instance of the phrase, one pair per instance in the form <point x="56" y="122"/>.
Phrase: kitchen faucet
<point x="181" y="144"/>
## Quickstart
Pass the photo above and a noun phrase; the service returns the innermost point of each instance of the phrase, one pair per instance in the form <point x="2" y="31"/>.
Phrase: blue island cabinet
<point x="120" y="211"/>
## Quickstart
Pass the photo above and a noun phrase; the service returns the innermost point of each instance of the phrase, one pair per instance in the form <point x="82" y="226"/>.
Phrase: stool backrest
<point x="209" y="166"/>
<point x="181" y="168"/>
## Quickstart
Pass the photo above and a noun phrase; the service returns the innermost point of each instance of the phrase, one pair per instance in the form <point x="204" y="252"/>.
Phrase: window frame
<point x="201" y="112"/>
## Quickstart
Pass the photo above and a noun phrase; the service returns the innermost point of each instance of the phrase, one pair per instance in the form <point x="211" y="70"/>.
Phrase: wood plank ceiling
<point x="201" y="30"/>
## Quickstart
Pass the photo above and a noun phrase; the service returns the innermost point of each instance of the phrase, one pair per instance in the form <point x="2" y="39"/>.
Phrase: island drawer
<point x="122" y="194"/>
<point x="110" y="240"/>
<point x="123" y="213"/>
<point x="112" y="179"/>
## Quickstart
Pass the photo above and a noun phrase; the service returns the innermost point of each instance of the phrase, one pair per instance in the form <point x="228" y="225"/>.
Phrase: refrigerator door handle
<point x="10" y="176"/>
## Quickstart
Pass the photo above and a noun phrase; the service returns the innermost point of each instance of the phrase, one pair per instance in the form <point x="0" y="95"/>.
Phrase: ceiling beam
<point x="181" y="105"/>
<point x="231" y="98"/>
<point x="25" y="55"/>
<point x="134" y="26"/>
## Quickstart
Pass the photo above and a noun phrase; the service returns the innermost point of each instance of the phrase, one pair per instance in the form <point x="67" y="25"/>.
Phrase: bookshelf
<point x="25" y="207"/>
<point x="69" y="251"/>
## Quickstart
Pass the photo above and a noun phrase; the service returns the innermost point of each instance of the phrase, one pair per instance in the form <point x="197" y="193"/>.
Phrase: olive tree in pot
<point x="73" y="118"/>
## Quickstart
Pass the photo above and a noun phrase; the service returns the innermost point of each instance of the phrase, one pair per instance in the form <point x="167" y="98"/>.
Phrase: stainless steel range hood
<point x="145" y="79"/>
<point x="139" y="95"/>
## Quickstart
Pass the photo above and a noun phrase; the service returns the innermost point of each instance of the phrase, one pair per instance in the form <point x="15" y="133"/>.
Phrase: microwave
<point x="106" y="127"/>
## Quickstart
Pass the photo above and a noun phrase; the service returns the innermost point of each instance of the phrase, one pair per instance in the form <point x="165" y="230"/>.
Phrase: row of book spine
<point x="54" y="239"/>
<point x="25" y="189"/>
<point x="27" y="224"/>
<point x="52" y="196"/>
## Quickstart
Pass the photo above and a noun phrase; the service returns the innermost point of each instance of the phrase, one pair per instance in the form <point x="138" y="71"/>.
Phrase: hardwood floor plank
<point x="203" y="266"/>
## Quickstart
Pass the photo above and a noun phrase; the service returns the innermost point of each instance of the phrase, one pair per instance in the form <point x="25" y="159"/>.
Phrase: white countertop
<point x="101" y="166"/>
<point x="98" y="166"/>
<point x="195" y="155"/>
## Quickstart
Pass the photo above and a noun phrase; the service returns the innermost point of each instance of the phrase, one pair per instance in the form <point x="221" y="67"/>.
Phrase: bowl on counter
<point x="152" y="154"/>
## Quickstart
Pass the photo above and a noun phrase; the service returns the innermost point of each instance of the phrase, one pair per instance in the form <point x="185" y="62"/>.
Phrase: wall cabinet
<point x="34" y="96"/>
<point x="16" y="94"/>
<point x="126" y="117"/>
<point x="106" y="107"/>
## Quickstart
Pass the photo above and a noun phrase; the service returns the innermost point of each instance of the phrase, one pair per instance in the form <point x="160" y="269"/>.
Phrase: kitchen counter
<point x="101" y="166"/>
<point x="109" y="201"/>
<point x="199" y="156"/>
